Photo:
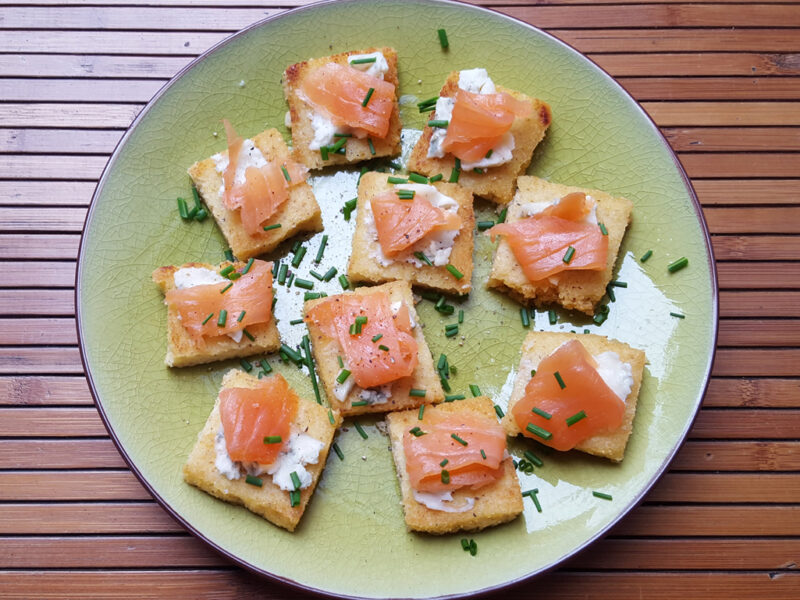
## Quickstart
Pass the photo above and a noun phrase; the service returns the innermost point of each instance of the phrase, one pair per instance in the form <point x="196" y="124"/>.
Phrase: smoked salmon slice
<point x="479" y="121"/>
<point x="264" y="189"/>
<point x="540" y="243"/>
<point x="372" y="363"/>
<point x="402" y="223"/>
<point x="583" y="391"/>
<point x="341" y="92"/>
<point x="249" y="415"/>
<point x="465" y="463"/>
<point x="251" y="293"/>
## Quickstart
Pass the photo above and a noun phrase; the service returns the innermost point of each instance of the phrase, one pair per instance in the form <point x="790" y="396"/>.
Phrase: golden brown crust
<point x="300" y="114"/>
<point x="183" y="351"/>
<point x="494" y="504"/>
<point x="496" y="183"/>
<point x="365" y="268"/>
<point x="574" y="290"/>
<point x="539" y="344"/>
<point x="268" y="501"/>
<point x="326" y="350"/>
<point x="298" y="214"/>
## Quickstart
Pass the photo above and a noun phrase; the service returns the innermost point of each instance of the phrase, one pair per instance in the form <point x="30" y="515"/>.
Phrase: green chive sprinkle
<point x="330" y="417"/>
<point x="445" y="476"/>
<point x="439" y="123"/>
<point x="312" y="296"/>
<point x="406" y="194"/>
<point x="421" y="412"/>
<point x="298" y="256"/>
<point x="384" y="348"/>
<point x="323" y="150"/>
<point x="376" y="337"/>
<point x="368" y="96"/>
<point x="306" y="284"/>
<point x="646" y="255"/>
<point x="338" y="451"/>
<point x="458" y="439"/>
<point x="426" y="105"/>
<point x="208" y="318"/>
<point x="315" y="275"/>
<point x="395" y="165"/>
<point x="533" y="372"/>
<point x="503" y="214"/>
<point x="460" y="316"/>
<point x="499" y="411"/>
<point x="600" y="318"/>
<point x="542" y="413"/>
<point x="201" y="215"/>
<point x="294" y="498"/>
<point x="393" y="179"/>
<point x="603" y="229"/>
<point x="348" y="208"/>
<point x="422" y="258"/>
<point x="443" y="38"/>
<point x="344" y="282"/>
<point x="343" y="375"/>
<point x="226" y="288"/>
<point x="363" y="61"/>
<point x="435" y="178"/>
<point x="226" y="271"/>
<point x="533" y="458"/>
<point x="610" y="293"/>
<point x="568" y="255"/>
<point x="484" y="225"/>
<point x="246" y="365"/>
<point x="282" y="270"/>
<point x="678" y="315"/>
<point x="478" y="170"/>
<point x="455" y="272"/>
<point x="536" y="430"/>
<point x="295" y="479"/>
<point x="417" y="392"/>
<point x="578" y="416"/>
<point x="295" y="322"/>
<point x="339" y="145"/>
<point x="535" y="499"/>
<point x="229" y="255"/>
<point x="602" y="495"/>
<point x="183" y="209"/>
<point x="293" y="355"/>
<point x="444" y="462"/>
<point x="476" y="391"/>
<point x="273" y="439"/>
<point x="526" y="320"/>
<point x="223" y="317"/>
<point x="451" y="332"/>
<point x="617" y="283"/>
<point x="340" y="361"/>
<point x="416" y="432"/>
<point x="417" y="178"/>
<point x="586" y="331"/>
<point x="321" y="250"/>
<point x="329" y="274"/>
<point x="678" y="264"/>
<point x="454" y="397"/>
<point x="360" y="430"/>
<point x="256" y="481"/>
<point x="265" y="365"/>
<point x="271" y="227"/>
<point x="248" y="335"/>
<point x="483" y="454"/>
<point x="560" y="381"/>
<point x="454" y="174"/>
<point x="359" y="403"/>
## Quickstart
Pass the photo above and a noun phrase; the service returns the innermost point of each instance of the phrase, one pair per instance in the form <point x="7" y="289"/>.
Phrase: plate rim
<point x="291" y="583"/>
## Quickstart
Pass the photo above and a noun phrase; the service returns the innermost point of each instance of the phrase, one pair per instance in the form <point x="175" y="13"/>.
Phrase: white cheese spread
<point x="187" y="277"/>
<point x="223" y="462"/>
<point x="249" y="156"/>
<point x="378" y="395"/>
<point x="378" y="69"/>
<point x="441" y="501"/>
<point x="617" y="375"/>
<point x="528" y="209"/>
<point x="476" y="81"/>
<point x="323" y="131"/>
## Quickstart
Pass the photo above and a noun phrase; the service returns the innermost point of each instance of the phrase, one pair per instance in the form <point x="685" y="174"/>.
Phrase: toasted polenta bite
<point x="215" y="313"/>
<point x="454" y="471"/>
<point x="480" y="135"/>
<point x="256" y="193"/>
<point x="262" y="447"/>
<point x="576" y="391"/>
<point x="420" y="232"/>
<point x="343" y="108"/>
<point x="558" y="244"/>
<point x="370" y="352"/>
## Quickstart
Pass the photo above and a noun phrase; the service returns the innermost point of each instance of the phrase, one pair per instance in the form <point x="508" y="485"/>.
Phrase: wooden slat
<point x="92" y="66"/>
<point x="60" y="454"/>
<point x="70" y="485"/>
<point x="738" y="456"/>
<point x="756" y="247"/>
<point x="760" y="363"/>
<point x="758" y="275"/>
<point x="753" y="393"/>
<point x="33" y="193"/>
<point x="710" y="88"/>
<point x="663" y="64"/>
<point x="20" y="166"/>
<point x="726" y="488"/>
<point x="759" y="304"/>
<point x="759" y="332"/>
<point x="56" y="114"/>
<point x="89" y="518"/>
<point x="25" y="359"/>
<point x="43" y="391"/>
<point x="34" y="274"/>
<point x="672" y="114"/>
<point x="14" y="219"/>
<point x="744" y="191"/>
<point x="31" y="245"/>
<point x="753" y="220"/>
<point x="89" y="90"/>
<point x="50" y="422"/>
<point x="729" y="139"/>
<point x="766" y="164"/>
<point x="73" y="141"/>
<point x="746" y="424"/>
<point x="37" y="302"/>
<point x="26" y="332"/>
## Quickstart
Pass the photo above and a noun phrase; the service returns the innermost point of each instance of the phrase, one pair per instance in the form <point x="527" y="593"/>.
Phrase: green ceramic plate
<point x="352" y="540"/>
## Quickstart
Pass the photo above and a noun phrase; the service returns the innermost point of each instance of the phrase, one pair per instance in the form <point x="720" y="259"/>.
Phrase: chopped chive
<point x="454" y="174"/>
<point x="271" y="227"/>
<point x="602" y="495"/>
<point x="484" y="225"/>
<point x="533" y="372"/>
<point x="293" y="355"/>
<point x="417" y="392"/>
<point x="256" y="481"/>
<point x="478" y="170"/>
<point x="241" y="316"/>
<point x="551" y="314"/>
<point x="248" y="266"/>
<point x="678" y="264"/>
<point x="384" y="348"/>
<point x="473" y="547"/>
<point x="476" y="391"/>
<point x="265" y="365"/>
<point x="435" y="178"/>
<point x="298" y="256"/>
<point x="286" y="174"/>
<point x="454" y="397"/>
<point x="417" y="178"/>
<point x="234" y="276"/>
<point x="439" y="123"/>
<point x="416" y="432"/>
<point x="321" y="250"/>
<point x="315" y="275"/>
<point x="535" y="499"/>
<point x="427" y="105"/>
<point x="341" y="135"/>
<point x="208" y="318"/>
<point x="458" y="439"/>
<point x="610" y="293"/>
<point x="533" y="458"/>
<point x="201" y="215"/>
<point x="323" y="150"/>
<point x="443" y="38"/>
<point x="503" y="214"/>
<point x="483" y="454"/>
<point x="454" y="272"/>
<point x="451" y="332"/>
<point x="376" y="337"/>
<point x="678" y="315"/>
<point x="329" y="274"/>
<point x="343" y="375"/>
<point x="600" y="318"/>
<point x="348" y="208"/>
<point x="560" y="381"/>
<point x="499" y="411"/>
<point x="226" y="271"/>
<point x="406" y="194"/>
<point x="395" y="165"/>
<point x="246" y="365"/>
<point x="442" y="362"/>
<point x="295" y="479"/>
<point x="360" y="430"/>
<point x="421" y="412"/>
<point x="363" y="61"/>
<point x="339" y="145"/>
<point x="295" y="322"/>
<point x="460" y="315"/>
<point x="586" y="331"/>
<point x="542" y="413"/>
<point x="578" y="416"/>
<point x="330" y="417"/>
<point x="344" y="282"/>
<point x="273" y="439"/>
<point x="282" y="270"/>
<point x="340" y="361"/>
<point x="646" y="255"/>
<point x="368" y="96"/>
<point x="430" y="296"/>
<point x="536" y="430"/>
<point x="248" y="335"/>
<point x="393" y="179"/>
<point x="229" y="255"/>
<point x="311" y="296"/>
<point x="526" y="320"/>
<point x="359" y="403"/>
<point x="444" y="462"/>
<point x="617" y="283"/>
<point x="338" y="451"/>
<point x="223" y="317"/>
<point x="569" y="254"/>
<point x="445" y="476"/>
<point x="603" y="229"/>
<point x="306" y="284"/>
<point x="226" y="288"/>
<point x="183" y="209"/>
<point x="294" y="498"/>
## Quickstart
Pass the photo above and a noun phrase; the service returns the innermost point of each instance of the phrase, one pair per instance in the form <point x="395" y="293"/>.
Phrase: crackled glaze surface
<point x="599" y="138"/>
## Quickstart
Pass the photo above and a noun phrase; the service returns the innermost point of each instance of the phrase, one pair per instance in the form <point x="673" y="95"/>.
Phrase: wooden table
<point x="722" y="80"/>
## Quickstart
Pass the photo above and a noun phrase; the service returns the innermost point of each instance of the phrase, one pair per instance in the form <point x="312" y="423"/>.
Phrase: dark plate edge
<point x="290" y="582"/>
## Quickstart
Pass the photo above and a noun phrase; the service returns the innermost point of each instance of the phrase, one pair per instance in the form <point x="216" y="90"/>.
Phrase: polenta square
<point x="412" y="217"/>
<point x="493" y="175"/>
<point x="618" y="365"/>
<point x="245" y="232"/>
<point x="353" y="94"/>
<point x="573" y="289"/>
<point x="370" y="351"/>
<point x="456" y="452"/>
<point x="217" y="312"/>
<point x="262" y="447"/>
